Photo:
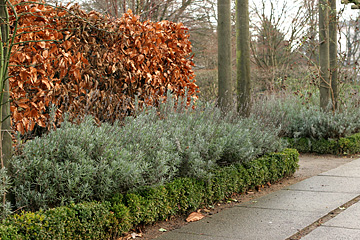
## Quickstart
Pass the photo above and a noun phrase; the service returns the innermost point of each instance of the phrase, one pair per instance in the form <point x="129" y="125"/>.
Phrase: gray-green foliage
<point x="74" y="163"/>
<point x="5" y="207"/>
<point x="89" y="162"/>
<point x="298" y="119"/>
<point x="109" y="220"/>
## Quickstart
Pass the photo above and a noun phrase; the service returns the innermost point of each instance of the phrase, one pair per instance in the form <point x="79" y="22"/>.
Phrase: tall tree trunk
<point x="333" y="53"/>
<point x="5" y="107"/>
<point x="6" y="141"/>
<point x="224" y="54"/>
<point x="325" y="81"/>
<point x="243" y="57"/>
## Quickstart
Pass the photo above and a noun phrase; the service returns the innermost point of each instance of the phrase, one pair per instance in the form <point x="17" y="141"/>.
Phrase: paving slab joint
<point x="305" y="231"/>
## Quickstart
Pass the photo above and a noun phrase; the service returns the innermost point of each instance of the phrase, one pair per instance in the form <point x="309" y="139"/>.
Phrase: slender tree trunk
<point x="243" y="57"/>
<point x="6" y="141"/>
<point x="5" y="107"/>
<point x="224" y="54"/>
<point x="325" y="81"/>
<point x="333" y="53"/>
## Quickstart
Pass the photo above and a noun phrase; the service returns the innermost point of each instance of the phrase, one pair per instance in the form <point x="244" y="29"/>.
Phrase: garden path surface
<point x="321" y="201"/>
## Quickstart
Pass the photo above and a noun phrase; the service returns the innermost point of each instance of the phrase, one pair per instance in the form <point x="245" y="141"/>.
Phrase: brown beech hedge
<point x="87" y="63"/>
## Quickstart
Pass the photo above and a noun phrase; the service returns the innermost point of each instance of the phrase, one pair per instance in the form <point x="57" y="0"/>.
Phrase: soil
<point x="310" y="165"/>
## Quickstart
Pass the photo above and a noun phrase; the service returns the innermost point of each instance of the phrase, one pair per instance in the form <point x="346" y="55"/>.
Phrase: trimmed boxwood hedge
<point x="342" y="146"/>
<point x="108" y="220"/>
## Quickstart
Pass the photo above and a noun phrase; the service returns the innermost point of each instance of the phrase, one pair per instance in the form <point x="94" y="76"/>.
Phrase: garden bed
<point x="108" y="220"/>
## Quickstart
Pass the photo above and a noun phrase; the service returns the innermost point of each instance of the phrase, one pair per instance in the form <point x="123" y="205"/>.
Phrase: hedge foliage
<point x="87" y="162"/>
<point x="108" y="220"/>
<point x="341" y="146"/>
<point x="89" y="64"/>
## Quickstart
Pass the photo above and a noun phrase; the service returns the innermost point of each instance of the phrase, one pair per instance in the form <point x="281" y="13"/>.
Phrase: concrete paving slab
<point x="190" y="236"/>
<point x="245" y="223"/>
<point x="333" y="233"/>
<point x="328" y="184"/>
<point x="281" y="214"/>
<point x="347" y="219"/>
<point x="306" y="201"/>
<point x="351" y="169"/>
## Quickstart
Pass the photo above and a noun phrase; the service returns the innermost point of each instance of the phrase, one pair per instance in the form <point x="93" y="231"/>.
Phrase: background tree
<point x="325" y="84"/>
<point x="275" y="43"/>
<point x="349" y="62"/>
<point x="243" y="57"/>
<point x="309" y="41"/>
<point x="154" y="10"/>
<point x="333" y="53"/>
<point x="224" y="54"/>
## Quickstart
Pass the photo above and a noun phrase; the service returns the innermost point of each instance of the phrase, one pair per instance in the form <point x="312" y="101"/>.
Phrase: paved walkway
<point x="330" y="198"/>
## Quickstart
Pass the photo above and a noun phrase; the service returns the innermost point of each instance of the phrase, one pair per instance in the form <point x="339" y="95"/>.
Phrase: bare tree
<point x="351" y="54"/>
<point x="155" y="10"/>
<point x="275" y="39"/>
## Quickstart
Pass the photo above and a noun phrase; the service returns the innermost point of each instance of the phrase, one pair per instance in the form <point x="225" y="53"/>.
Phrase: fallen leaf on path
<point x="162" y="230"/>
<point x="195" y="216"/>
<point x="135" y="235"/>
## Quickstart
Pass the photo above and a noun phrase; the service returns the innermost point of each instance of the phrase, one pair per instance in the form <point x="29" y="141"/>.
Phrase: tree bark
<point x="224" y="54"/>
<point x="333" y="53"/>
<point x="5" y="107"/>
<point x="6" y="141"/>
<point x="243" y="57"/>
<point x="325" y="81"/>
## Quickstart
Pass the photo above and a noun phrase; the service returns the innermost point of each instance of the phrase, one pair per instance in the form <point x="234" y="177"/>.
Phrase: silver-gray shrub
<point x="88" y="162"/>
<point x="73" y="164"/>
<point x="5" y="206"/>
<point x="297" y="118"/>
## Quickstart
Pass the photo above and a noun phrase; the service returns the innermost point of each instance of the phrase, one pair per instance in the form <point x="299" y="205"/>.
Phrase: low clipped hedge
<point x="108" y="220"/>
<point x="341" y="146"/>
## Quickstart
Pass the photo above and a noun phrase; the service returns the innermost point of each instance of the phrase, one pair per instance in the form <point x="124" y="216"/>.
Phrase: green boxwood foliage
<point x="108" y="220"/>
<point x="77" y="221"/>
<point x="341" y="146"/>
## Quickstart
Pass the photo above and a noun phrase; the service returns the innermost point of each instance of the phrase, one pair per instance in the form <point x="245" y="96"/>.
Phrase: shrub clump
<point x="88" y="162"/>
<point x="299" y="120"/>
<point x="90" y="220"/>
<point x="108" y="220"/>
<point x="341" y="146"/>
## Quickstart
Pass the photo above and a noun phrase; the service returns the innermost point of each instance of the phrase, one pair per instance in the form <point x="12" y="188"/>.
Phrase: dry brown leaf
<point x="194" y="216"/>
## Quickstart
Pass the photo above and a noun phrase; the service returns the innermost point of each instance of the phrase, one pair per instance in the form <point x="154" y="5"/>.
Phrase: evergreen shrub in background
<point x="297" y="119"/>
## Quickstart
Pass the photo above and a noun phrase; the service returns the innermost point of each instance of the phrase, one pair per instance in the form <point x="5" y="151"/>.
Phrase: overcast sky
<point x="292" y="8"/>
<point x="290" y="3"/>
